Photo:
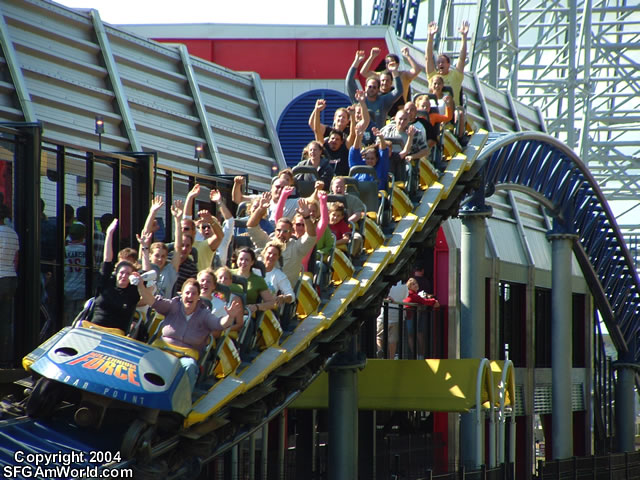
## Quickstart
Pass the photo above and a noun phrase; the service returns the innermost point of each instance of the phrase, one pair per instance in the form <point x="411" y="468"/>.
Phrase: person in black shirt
<point x="116" y="297"/>
<point x="337" y="153"/>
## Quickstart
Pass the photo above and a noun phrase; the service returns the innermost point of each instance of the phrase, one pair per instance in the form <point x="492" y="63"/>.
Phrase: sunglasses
<point x="205" y="226"/>
<point x="282" y="230"/>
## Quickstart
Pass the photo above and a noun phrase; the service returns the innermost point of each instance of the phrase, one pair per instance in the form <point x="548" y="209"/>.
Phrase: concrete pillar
<point x="625" y="407"/>
<point x="472" y="317"/>
<point x="304" y="443"/>
<point x="343" y="414"/>
<point x="561" y="340"/>
<point x="367" y="444"/>
<point x="265" y="452"/>
<point x="252" y="456"/>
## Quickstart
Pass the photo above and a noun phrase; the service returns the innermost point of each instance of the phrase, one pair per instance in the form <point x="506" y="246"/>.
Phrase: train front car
<point x="95" y="372"/>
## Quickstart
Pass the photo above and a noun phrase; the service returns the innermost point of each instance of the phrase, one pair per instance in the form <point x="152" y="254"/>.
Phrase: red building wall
<point x="316" y="59"/>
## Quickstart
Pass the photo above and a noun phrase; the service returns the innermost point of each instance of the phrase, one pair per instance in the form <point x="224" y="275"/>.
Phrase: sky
<point x="302" y="12"/>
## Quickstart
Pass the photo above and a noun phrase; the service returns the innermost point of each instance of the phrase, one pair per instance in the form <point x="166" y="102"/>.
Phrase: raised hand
<point x="145" y="239"/>
<point x="303" y="207"/>
<point x="215" y="195"/>
<point x="359" y="56"/>
<point x="464" y="28"/>
<point x="319" y="185"/>
<point x="412" y="130"/>
<point x="265" y="200"/>
<point x="360" y="96"/>
<point x="287" y="190"/>
<point x="177" y="209"/>
<point x="112" y="226"/>
<point x="205" y="215"/>
<point x="405" y="51"/>
<point x="321" y="104"/>
<point x="234" y="309"/>
<point x="433" y="28"/>
<point x="195" y="191"/>
<point x="238" y="180"/>
<point x="157" y="203"/>
<point x="375" y="51"/>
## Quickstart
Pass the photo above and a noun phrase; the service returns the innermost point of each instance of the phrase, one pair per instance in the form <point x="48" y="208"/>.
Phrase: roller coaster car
<point x="100" y="370"/>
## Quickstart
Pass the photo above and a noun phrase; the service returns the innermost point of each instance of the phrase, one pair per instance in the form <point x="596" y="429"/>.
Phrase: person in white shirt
<point x="276" y="280"/>
<point x="396" y="295"/>
<point x="9" y="249"/>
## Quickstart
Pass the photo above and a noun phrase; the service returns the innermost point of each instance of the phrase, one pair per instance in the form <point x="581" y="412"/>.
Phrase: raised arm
<point x="360" y="98"/>
<point x="382" y="142"/>
<point x="437" y="117"/>
<point x="415" y="69"/>
<point x="314" y="120"/>
<point x="366" y="71"/>
<point x="144" y="239"/>
<point x="236" y="191"/>
<point x="146" y="294"/>
<point x="351" y="74"/>
<point x="428" y="56"/>
<point x="396" y="92"/>
<point x="216" y="197"/>
<point x="191" y="199"/>
<point x="227" y="226"/>
<point x="108" y="241"/>
<point x="324" y="214"/>
<point x="282" y="201"/>
<point x="259" y="211"/>
<point x="176" y="213"/>
<point x="305" y="211"/>
<point x="214" y="240"/>
<point x="462" y="59"/>
<point x="411" y="131"/>
<point x="156" y="204"/>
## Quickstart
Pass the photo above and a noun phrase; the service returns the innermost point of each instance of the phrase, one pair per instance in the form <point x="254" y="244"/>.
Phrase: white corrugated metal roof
<point x="63" y="67"/>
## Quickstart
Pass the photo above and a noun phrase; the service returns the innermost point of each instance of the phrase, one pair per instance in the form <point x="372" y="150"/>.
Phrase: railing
<point x="419" y="330"/>
<point x="603" y="394"/>
<point x="618" y="466"/>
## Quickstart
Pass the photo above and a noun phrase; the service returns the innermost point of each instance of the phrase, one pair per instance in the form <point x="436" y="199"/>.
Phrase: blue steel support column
<point x="561" y="240"/>
<point x="472" y="315"/>
<point x="625" y="407"/>
<point x="343" y="413"/>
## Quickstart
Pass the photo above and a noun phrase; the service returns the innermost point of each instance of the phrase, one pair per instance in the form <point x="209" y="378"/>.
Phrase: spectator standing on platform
<point x="9" y="249"/>
<point x="75" y="272"/>
<point x="82" y="214"/>
<point x="396" y="295"/>
<point x="417" y="297"/>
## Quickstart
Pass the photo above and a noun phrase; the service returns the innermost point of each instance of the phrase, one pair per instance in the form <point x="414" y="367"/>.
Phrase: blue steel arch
<point x="553" y="173"/>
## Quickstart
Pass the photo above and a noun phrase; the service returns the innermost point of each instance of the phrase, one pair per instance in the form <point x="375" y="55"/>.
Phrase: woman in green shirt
<point x="257" y="288"/>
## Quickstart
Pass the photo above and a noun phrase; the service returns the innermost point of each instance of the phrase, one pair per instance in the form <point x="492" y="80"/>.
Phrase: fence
<point x="419" y="331"/>
<point x="616" y="466"/>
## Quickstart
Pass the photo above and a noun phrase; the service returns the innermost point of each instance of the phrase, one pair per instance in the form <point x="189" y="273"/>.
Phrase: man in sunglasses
<point x="209" y="228"/>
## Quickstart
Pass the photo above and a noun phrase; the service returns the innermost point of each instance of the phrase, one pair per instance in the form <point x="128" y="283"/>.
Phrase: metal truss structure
<point x="577" y="61"/>
<point x="402" y="15"/>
